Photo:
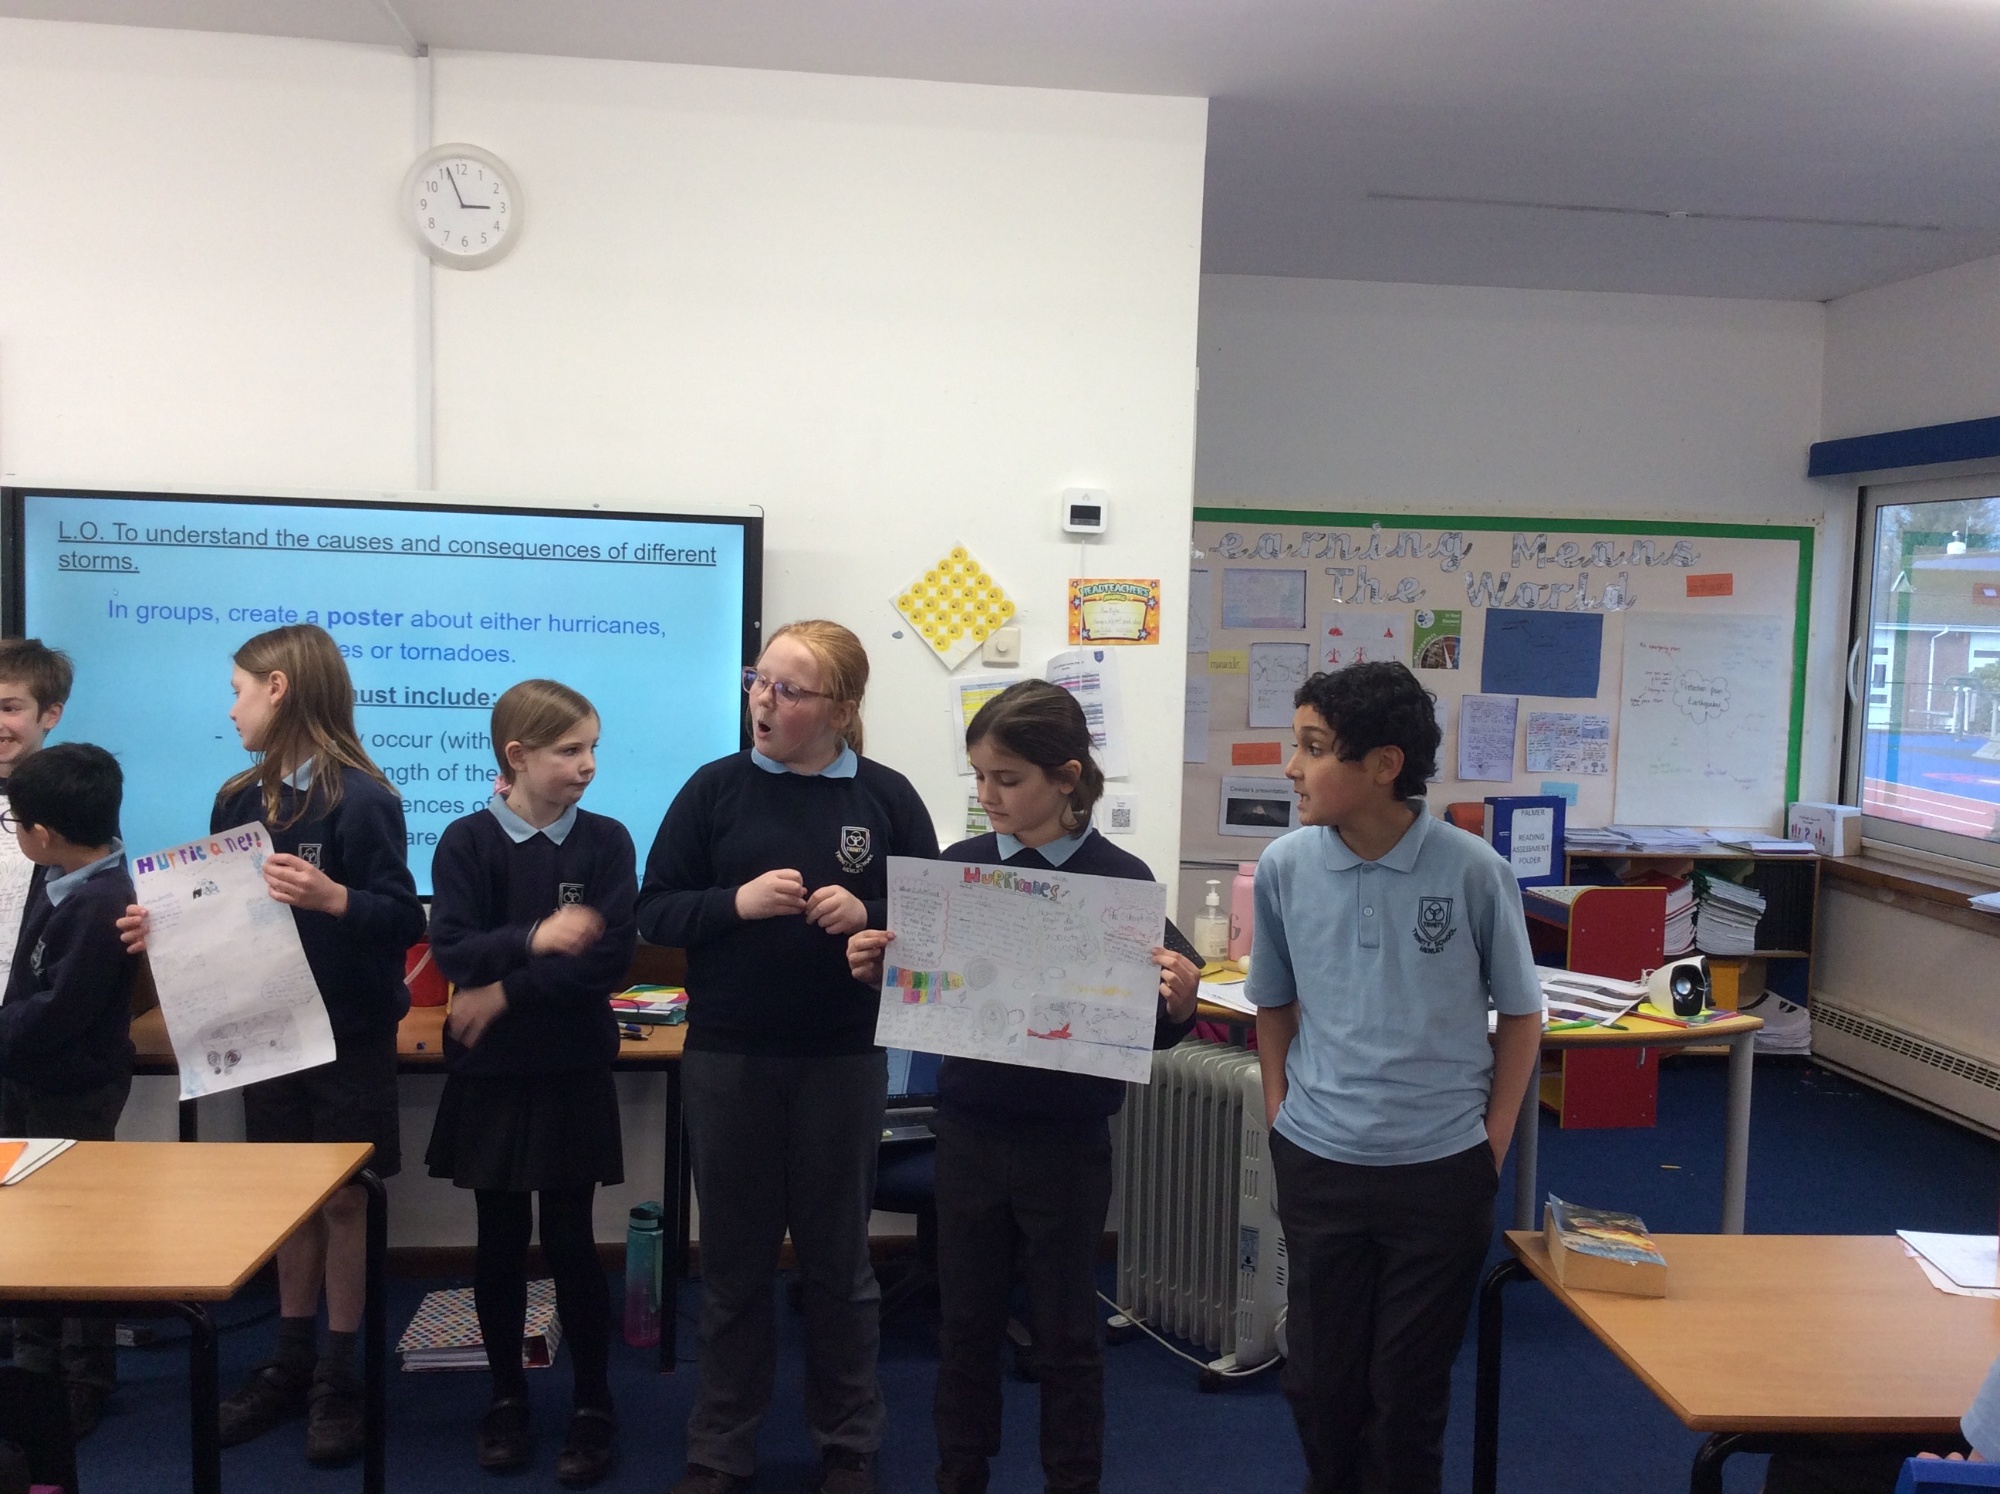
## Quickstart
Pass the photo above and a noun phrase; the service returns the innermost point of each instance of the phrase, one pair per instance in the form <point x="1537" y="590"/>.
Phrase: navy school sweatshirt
<point x="1042" y="1104"/>
<point x="488" y="893"/>
<point x="776" y="985"/>
<point x="357" y="958"/>
<point x="65" y="1020"/>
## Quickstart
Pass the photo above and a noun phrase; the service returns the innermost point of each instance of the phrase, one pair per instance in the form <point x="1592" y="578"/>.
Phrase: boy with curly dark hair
<point x="1382" y="938"/>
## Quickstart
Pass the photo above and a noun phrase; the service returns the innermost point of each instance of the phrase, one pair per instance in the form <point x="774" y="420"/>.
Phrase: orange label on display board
<point x="1256" y="754"/>
<point x="1722" y="585"/>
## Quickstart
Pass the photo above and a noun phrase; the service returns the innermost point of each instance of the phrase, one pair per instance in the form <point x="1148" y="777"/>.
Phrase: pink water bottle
<point x="1242" y="909"/>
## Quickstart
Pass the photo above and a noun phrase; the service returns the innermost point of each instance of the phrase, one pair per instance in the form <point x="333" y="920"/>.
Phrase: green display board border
<point x="1801" y="534"/>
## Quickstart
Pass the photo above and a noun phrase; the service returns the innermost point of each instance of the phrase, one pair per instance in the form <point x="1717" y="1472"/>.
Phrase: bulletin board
<point x="1650" y="673"/>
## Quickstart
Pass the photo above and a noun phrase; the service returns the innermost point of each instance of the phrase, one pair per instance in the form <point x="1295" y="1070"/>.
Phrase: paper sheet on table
<point x="1969" y="1260"/>
<point x="1091" y="675"/>
<point x="1944" y="1283"/>
<point x="1040" y="968"/>
<point x="1276" y="672"/>
<point x="16" y="872"/>
<point x="1486" y="737"/>
<point x="238" y="997"/>
<point x="1231" y="996"/>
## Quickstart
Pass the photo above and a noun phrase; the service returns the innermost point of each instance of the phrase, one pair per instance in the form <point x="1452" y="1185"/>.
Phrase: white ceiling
<point x="1325" y="112"/>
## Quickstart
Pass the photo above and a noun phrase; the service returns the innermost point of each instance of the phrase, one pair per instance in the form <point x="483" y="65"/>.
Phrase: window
<point x="1924" y="729"/>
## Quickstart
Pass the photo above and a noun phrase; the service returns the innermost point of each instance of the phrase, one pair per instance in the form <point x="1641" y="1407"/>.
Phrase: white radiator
<point x="1883" y="1050"/>
<point x="1200" y="1253"/>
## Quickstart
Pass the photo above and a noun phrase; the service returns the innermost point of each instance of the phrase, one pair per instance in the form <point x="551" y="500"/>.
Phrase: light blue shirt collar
<point x="61" y="887"/>
<point x="1055" y="852"/>
<point x="1402" y="856"/>
<point x="844" y="766"/>
<point x="520" y="831"/>
<point x="301" y="777"/>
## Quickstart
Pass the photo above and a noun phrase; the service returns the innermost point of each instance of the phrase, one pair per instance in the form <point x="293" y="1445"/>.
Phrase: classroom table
<point x="1768" y="1343"/>
<point x="152" y="1229"/>
<point x="1740" y="1033"/>
<point x="420" y="1050"/>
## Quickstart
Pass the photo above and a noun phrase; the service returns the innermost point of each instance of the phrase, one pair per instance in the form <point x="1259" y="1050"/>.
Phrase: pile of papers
<point x="1571" y="997"/>
<point x="1963" y="1265"/>
<point x="1765" y="845"/>
<point x="1647" y="840"/>
<point x="1726" y="917"/>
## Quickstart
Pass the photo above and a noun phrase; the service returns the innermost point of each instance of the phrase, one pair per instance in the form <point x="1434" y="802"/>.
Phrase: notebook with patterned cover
<point x="445" y="1332"/>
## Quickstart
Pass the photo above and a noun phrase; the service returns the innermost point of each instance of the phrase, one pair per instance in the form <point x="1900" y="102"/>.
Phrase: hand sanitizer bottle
<point x="1211" y="925"/>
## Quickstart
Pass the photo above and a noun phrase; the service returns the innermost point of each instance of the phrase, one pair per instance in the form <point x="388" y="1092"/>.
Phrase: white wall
<point x="897" y="316"/>
<point x="1918" y="352"/>
<point x="1350" y="395"/>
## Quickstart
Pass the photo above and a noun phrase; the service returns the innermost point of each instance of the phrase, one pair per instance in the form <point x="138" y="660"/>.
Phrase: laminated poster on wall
<point x="1113" y="610"/>
<point x="1439" y="638"/>
<point x="1201" y="599"/>
<point x="1258" y="807"/>
<point x="1046" y="969"/>
<point x="954" y="606"/>
<point x="1486" y="738"/>
<point x="1263" y="599"/>
<point x="1354" y="636"/>
<point x="1194" y="722"/>
<point x="967" y="694"/>
<point x="1276" y="672"/>
<point x="1541" y="653"/>
<point x="1568" y="742"/>
<point x="1091" y="675"/>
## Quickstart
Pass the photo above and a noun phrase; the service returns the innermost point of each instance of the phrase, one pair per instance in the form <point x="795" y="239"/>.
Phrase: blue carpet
<point x="1828" y="1156"/>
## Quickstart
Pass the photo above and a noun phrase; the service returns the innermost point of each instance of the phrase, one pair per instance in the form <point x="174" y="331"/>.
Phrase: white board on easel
<point x="1703" y="720"/>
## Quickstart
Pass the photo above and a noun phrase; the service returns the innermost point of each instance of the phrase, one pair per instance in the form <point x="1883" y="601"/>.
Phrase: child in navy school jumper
<point x="1381" y="937"/>
<point x="65" y="1051"/>
<point x="1023" y="1154"/>
<point x="336" y="828"/>
<point x="35" y="682"/>
<point x="766" y="861"/>
<point x="531" y="919"/>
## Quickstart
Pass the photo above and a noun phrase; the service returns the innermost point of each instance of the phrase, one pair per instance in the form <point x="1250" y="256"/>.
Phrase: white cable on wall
<point x="424" y="354"/>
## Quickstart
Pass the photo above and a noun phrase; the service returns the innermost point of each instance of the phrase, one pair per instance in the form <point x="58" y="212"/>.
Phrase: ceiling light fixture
<point x="1676" y="214"/>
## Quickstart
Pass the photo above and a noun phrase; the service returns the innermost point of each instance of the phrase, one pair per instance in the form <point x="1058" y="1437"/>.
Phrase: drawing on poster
<point x="1263" y="599"/>
<point x="1486" y="737"/>
<point x="1201" y="600"/>
<point x="1351" y="636"/>
<point x="1276" y="672"/>
<point x="1568" y="742"/>
<point x="1040" y="968"/>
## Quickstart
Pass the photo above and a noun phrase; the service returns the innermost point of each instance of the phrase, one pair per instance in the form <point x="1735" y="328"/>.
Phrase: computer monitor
<point x="912" y="1079"/>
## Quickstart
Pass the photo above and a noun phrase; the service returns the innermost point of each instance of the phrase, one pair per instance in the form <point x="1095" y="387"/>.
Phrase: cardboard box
<point x="1834" y="828"/>
<point x="1594" y="1273"/>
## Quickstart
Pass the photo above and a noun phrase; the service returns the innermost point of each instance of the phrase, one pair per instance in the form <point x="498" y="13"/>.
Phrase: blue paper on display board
<point x="1541" y="653"/>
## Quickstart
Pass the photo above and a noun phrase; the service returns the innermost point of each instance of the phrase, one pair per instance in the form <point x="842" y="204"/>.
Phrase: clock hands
<point x="471" y="206"/>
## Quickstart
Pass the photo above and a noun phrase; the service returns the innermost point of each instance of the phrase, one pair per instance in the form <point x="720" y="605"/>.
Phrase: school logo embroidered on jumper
<point x="309" y="853"/>
<point x="35" y="959"/>
<point x="569" y="894"/>
<point x="855" y="848"/>
<point x="1434" y="926"/>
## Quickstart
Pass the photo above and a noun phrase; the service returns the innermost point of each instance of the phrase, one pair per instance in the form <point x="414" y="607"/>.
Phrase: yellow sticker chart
<point x="955" y="606"/>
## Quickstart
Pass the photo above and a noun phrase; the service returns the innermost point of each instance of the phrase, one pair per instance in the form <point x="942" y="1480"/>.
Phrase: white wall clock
<point x="463" y="205"/>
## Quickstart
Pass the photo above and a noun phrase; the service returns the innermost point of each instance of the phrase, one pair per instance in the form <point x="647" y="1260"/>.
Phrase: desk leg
<point x="674" y="1197"/>
<point x="190" y="1120"/>
<point x="1527" y="1152"/>
<point x="1486" y="1392"/>
<point x="375" y="1340"/>
<point x="204" y="1396"/>
<point x="1736" y="1138"/>
<point x="1706" y="1477"/>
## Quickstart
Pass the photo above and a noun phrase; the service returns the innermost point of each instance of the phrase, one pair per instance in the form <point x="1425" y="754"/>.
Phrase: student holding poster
<point x="1027" y="1151"/>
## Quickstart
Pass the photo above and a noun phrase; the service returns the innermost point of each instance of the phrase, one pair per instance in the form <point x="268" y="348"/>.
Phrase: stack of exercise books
<point x="1642" y="840"/>
<point x="1680" y="908"/>
<point x="651" y="1005"/>
<point x="1726" y="916"/>
<point x="444" y="1335"/>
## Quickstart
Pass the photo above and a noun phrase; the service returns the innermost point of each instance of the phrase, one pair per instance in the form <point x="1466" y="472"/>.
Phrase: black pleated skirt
<point x="524" y="1133"/>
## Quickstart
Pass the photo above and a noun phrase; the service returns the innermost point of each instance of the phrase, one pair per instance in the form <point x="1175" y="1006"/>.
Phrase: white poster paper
<point x="1276" y="672"/>
<point x="16" y="873"/>
<point x="1352" y="636"/>
<point x="1261" y="807"/>
<point x="1194" y="725"/>
<point x="237" y="994"/>
<point x="1201" y="599"/>
<point x="1486" y="737"/>
<point x="1263" y="599"/>
<point x="1704" y="720"/>
<point x="1568" y="742"/>
<point x="968" y="693"/>
<point x="1091" y="675"/>
<point x="1040" y="968"/>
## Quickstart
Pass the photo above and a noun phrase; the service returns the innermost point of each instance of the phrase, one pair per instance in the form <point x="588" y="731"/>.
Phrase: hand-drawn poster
<point x="1351" y="636"/>
<point x="17" y="872"/>
<point x="1568" y="742"/>
<point x="1276" y="672"/>
<point x="1040" y="968"/>
<point x="238" y="996"/>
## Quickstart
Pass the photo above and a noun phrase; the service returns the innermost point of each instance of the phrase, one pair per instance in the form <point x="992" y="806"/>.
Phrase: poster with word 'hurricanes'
<point x="1041" y="968"/>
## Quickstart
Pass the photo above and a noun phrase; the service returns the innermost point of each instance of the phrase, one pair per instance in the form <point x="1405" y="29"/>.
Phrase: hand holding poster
<point x="1041" y="968"/>
<point x="238" y="997"/>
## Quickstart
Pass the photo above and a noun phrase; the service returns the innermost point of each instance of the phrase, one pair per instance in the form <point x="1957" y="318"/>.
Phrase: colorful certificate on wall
<point x="1113" y="611"/>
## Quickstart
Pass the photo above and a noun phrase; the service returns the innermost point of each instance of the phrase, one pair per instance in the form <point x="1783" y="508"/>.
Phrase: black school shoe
<point x="86" y="1408"/>
<point x="274" y="1394"/>
<point x="333" y="1415"/>
<point x="590" y="1449"/>
<point x="504" y="1443"/>
<point x="844" y="1472"/>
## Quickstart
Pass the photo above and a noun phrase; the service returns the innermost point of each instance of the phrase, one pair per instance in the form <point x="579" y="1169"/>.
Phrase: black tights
<point x="583" y="1301"/>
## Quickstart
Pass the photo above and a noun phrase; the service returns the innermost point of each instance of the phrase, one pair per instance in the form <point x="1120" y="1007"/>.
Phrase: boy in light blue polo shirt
<point x="1381" y="937"/>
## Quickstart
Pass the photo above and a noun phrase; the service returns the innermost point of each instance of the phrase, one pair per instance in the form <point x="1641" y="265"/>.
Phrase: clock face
<point x="464" y="206"/>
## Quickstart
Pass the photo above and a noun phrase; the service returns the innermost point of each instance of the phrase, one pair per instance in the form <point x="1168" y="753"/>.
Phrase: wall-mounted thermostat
<point x="1085" y="510"/>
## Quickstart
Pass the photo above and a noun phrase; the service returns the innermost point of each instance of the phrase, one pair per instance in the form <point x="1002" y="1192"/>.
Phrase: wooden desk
<point x="420" y="1050"/>
<point x="142" y="1229"/>
<point x="1740" y="1033"/>
<point x="1766" y="1338"/>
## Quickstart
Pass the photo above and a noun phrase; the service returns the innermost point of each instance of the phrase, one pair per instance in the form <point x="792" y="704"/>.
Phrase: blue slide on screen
<point x="437" y="610"/>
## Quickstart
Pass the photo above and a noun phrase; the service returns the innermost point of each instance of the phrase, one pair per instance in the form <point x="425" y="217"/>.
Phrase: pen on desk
<point x="634" y="1031"/>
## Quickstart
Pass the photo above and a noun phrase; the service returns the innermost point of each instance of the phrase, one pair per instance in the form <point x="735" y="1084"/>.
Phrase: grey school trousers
<point x="782" y="1143"/>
